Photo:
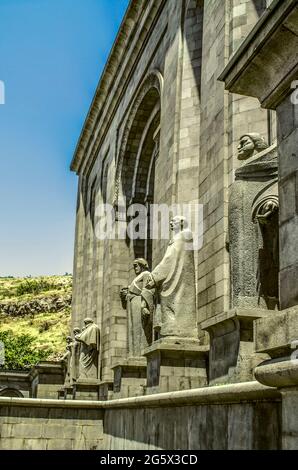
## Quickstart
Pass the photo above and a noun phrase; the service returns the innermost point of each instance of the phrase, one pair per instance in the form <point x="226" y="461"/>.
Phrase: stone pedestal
<point x="85" y="389"/>
<point x="130" y="377"/>
<point x="278" y="337"/>
<point x="175" y="364"/>
<point x="50" y="378"/>
<point x="232" y="357"/>
<point x="283" y="374"/>
<point x="105" y="391"/>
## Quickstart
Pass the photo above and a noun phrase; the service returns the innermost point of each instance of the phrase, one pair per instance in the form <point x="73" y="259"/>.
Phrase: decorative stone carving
<point x="67" y="361"/>
<point x="253" y="226"/>
<point x="139" y="303"/>
<point x="174" y="279"/>
<point x="89" y="339"/>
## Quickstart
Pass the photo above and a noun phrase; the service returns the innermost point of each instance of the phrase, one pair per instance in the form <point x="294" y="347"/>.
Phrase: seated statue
<point x="174" y="280"/>
<point x="139" y="303"/>
<point x="253" y="225"/>
<point x="89" y="340"/>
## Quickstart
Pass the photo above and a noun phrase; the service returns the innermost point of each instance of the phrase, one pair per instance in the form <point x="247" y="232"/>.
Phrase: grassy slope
<point x="49" y="329"/>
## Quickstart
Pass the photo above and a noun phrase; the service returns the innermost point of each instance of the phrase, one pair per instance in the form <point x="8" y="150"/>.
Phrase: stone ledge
<point x="131" y="362"/>
<point x="177" y="344"/>
<point x="262" y="67"/>
<point x="234" y="393"/>
<point x="279" y="374"/>
<point x="240" y="313"/>
<point x="274" y="335"/>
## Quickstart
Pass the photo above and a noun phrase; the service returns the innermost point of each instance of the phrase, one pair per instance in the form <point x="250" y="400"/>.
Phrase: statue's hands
<point x="150" y="283"/>
<point x="144" y="310"/>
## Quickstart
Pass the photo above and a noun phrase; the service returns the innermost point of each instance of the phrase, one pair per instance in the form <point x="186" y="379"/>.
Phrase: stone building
<point x="162" y="129"/>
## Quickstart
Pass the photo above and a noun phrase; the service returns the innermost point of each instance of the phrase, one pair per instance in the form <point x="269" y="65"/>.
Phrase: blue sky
<point x="52" y="53"/>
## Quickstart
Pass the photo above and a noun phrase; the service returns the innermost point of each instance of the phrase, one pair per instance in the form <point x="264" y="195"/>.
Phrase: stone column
<point x="266" y="67"/>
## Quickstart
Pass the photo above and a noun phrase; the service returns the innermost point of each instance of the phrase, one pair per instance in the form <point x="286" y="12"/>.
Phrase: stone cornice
<point x="139" y="18"/>
<point x="266" y="63"/>
<point x="231" y="393"/>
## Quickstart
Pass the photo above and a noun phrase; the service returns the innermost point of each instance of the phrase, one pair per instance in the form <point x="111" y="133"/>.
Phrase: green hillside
<point x="38" y="307"/>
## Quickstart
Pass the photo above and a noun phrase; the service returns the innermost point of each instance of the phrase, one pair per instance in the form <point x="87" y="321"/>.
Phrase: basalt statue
<point x="139" y="303"/>
<point x="174" y="280"/>
<point x="89" y="340"/>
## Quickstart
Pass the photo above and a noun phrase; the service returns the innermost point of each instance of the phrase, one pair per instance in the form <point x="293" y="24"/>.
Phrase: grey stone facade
<point x="164" y="90"/>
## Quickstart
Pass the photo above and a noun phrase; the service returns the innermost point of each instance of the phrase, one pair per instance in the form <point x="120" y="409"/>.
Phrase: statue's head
<point x="140" y="265"/>
<point x="68" y="339"/>
<point x="178" y="223"/>
<point x="76" y="331"/>
<point x="249" y="144"/>
<point x="88" y="321"/>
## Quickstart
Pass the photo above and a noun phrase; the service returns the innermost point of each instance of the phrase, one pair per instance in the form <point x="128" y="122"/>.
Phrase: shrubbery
<point x="35" y="286"/>
<point x="19" y="352"/>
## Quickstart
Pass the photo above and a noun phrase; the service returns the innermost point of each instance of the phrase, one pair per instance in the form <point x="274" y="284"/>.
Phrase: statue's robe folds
<point x="139" y="327"/>
<point x="254" y="246"/>
<point x="75" y="361"/>
<point x="67" y="358"/>
<point x="174" y="278"/>
<point x="89" y="352"/>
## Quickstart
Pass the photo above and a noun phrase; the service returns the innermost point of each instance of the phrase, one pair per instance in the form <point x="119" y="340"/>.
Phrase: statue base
<point x="175" y="363"/>
<point x="105" y="390"/>
<point x="130" y="377"/>
<point x="232" y="355"/>
<point x="86" y="389"/>
<point x="65" y="393"/>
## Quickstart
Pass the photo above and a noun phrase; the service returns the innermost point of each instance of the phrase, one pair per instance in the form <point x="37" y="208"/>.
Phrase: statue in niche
<point x="253" y="225"/>
<point x="67" y="361"/>
<point x="89" y="340"/>
<point x="174" y="280"/>
<point x="139" y="303"/>
<point x="75" y="356"/>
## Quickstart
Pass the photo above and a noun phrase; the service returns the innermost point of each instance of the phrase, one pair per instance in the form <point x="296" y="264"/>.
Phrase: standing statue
<point x="67" y="361"/>
<point x="139" y="303"/>
<point x="174" y="279"/>
<point x="253" y="226"/>
<point x="89" y="340"/>
<point x="75" y="356"/>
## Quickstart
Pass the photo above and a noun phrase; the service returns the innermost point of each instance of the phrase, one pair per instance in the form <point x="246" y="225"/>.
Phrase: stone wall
<point x="245" y="416"/>
<point x="49" y="425"/>
<point x="185" y="46"/>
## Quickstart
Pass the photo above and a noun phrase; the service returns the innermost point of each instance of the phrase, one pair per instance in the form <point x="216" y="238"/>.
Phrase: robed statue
<point x="174" y="280"/>
<point x="89" y="340"/>
<point x="139" y="303"/>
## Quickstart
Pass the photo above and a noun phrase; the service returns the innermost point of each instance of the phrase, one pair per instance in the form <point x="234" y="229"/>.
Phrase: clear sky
<point x="52" y="53"/>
